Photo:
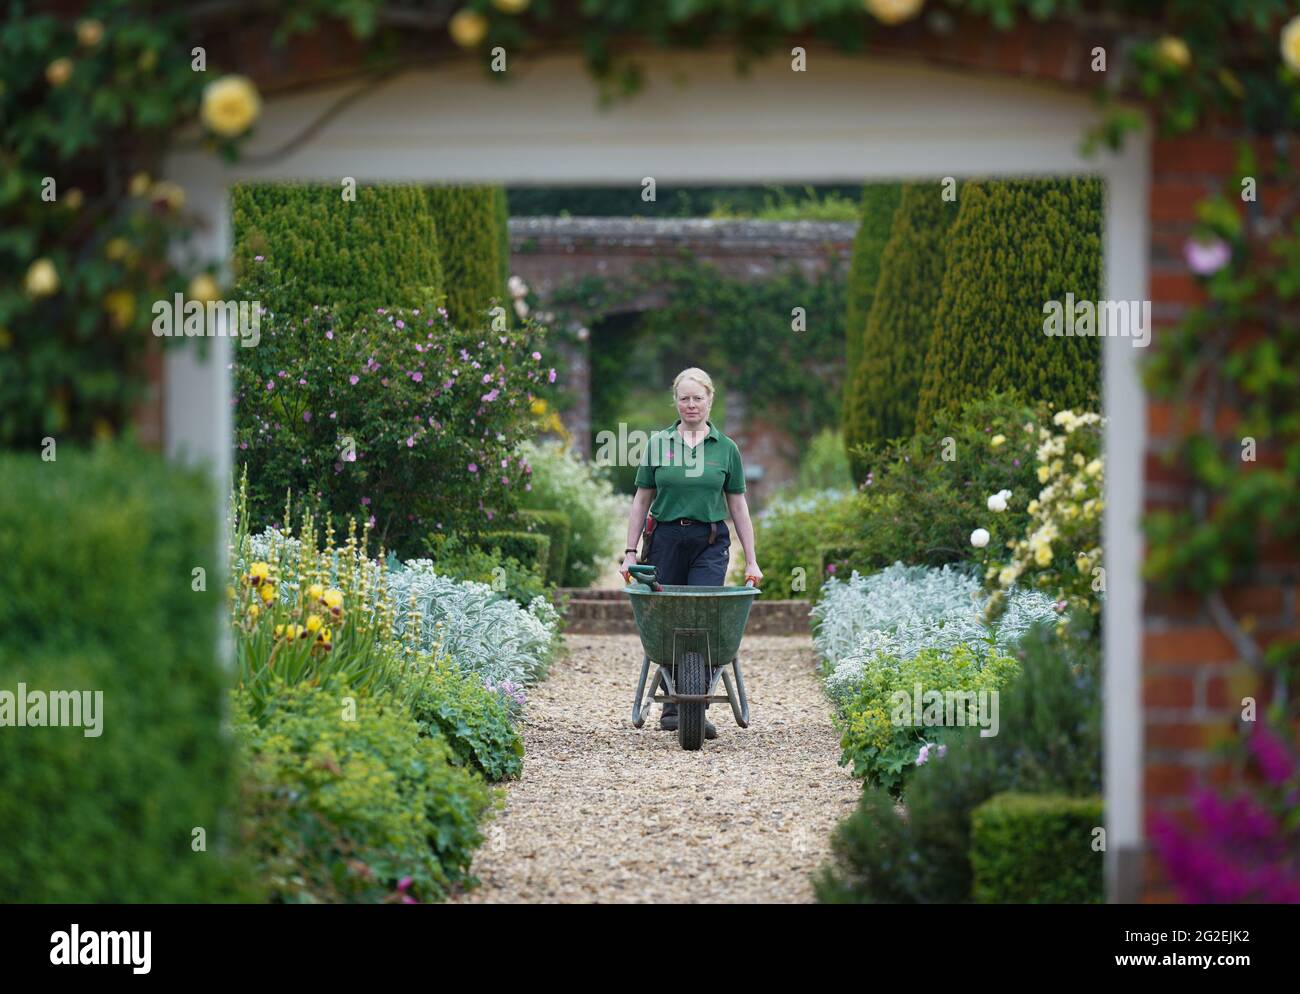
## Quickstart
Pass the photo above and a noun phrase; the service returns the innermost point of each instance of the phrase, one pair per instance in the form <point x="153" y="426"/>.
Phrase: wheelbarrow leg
<point x="736" y="695"/>
<point x="638" y="708"/>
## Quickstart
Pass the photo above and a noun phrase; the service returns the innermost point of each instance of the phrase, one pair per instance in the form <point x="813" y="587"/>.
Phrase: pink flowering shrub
<point x="1244" y="848"/>
<point x="395" y="419"/>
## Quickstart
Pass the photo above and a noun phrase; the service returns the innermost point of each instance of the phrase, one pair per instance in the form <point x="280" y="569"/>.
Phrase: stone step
<point x="609" y="612"/>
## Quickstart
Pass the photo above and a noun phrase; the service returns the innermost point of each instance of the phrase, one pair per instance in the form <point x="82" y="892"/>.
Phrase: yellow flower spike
<point x="258" y="573"/>
<point x="279" y="631"/>
<point x="315" y="592"/>
<point x="314" y="623"/>
<point x="254" y="611"/>
<point x="268" y="592"/>
<point x="333" y="599"/>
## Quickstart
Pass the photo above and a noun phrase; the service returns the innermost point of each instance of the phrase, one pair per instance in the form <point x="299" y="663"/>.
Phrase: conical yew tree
<point x="468" y="222"/>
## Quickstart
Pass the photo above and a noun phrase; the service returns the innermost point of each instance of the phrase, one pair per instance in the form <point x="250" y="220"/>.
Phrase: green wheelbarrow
<point x="692" y="634"/>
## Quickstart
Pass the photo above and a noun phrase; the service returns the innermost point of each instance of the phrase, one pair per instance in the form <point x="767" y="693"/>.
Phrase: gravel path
<point x="609" y="813"/>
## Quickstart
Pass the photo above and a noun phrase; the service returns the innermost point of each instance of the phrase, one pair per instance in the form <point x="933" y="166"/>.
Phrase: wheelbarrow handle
<point x="751" y="580"/>
<point x="648" y="575"/>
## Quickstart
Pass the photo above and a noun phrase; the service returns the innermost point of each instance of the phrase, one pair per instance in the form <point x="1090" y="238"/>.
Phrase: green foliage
<point x="781" y="205"/>
<point x="469" y="245"/>
<point x="1015" y="246"/>
<point x="98" y="594"/>
<point x="386" y="421"/>
<point x="884" y="753"/>
<point x="1036" y="849"/>
<point x="1049" y="743"/>
<point x="531" y="549"/>
<point x="342" y="810"/>
<point x="562" y="481"/>
<point x="824" y="465"/>
<point x="879" y="201"/>
<point x="501" y="205"/>
<point x="349" y="257"/>
<point x="674" y="201"/>
<point x="474" y="721"/>
<point x="465" y="559"/>
<point x="897" y="330"/>
<point x="916" y="506"/>
<point x="555" y="526"/>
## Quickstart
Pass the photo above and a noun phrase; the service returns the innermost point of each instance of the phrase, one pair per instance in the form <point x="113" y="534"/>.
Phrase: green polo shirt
<point x="689" y="482"/>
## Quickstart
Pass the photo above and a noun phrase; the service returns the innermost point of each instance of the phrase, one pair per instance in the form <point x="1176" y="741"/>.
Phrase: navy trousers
<point x="682" y="555"/>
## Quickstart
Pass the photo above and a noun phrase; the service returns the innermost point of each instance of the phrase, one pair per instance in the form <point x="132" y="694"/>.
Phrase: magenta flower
<point x="258" y="258"/>
<point x="491" y="395"/>
<point x="401" y="323"/>
<point x="487" y="377"/>
<point x="473" y="467"/>
<point x="537" y="356"/>
<point x="505" y="480"/>
<point x="1271" y="755"/>
<point x="330" y="334"/>
<point x="1206" y="258"/>
<point x="353" y="379"/>
<point x="830" y="567"/>
<point x="417" y="376"/>
<point x="410" y="442"/>
<point x="306" y="415"/>
<point x="404" y="884"/>
<point x="365" y="501"/>
<point x="270" y="384"/>
<point x="551" y="376"/>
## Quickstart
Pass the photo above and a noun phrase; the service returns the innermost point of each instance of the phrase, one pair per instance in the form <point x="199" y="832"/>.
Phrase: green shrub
<point x="879" y="203"/>
<point x="342" y="809"/>
<point x="462" y="559"/>
<point x="392" y="421"/>
<point x="530" y="549"/>
<point x="1015" y="246"/>
<point x="469" y="247"/>
<point x="1036" y="849"/>
<point x="563" y="481"/>
<point x="501" y="205"/>
<point x="791" y="535"/>
<point x="887" y="376"/>
<point x="1049" y="743"/>
<point x="350" y="257"/>
<point x="474" y="721"/>
<point x="98" y="594"/>
<point x="884" y="754"/>
<point x="824" y="465"/>
<point x="555" y="525"/>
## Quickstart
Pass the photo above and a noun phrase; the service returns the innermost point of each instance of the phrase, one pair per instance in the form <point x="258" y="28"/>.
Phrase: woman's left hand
<point x="751" y="569"/>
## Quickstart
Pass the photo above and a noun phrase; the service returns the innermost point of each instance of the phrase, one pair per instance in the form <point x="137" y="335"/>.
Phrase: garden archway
<point x="844" y="120"/>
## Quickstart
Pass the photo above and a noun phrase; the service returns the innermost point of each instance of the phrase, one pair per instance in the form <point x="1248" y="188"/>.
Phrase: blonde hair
<point x="694" y="373"/>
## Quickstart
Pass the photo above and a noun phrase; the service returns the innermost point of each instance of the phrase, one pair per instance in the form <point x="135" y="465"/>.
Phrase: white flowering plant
<point x="1061" y="552"/>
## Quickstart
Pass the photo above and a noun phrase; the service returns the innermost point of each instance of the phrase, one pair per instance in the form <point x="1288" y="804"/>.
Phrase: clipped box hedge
<point x="96" y="594"/>
<point x="556" y="526"/>
<point x="531" y="549"/>
<point x="1036" y="849"/>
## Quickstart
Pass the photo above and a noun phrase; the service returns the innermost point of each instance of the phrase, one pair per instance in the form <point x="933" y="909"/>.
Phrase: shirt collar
<point x="676" y="430"/>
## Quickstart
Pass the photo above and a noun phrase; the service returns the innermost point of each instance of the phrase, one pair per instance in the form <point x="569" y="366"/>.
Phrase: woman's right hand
<point x="629" y="561"/>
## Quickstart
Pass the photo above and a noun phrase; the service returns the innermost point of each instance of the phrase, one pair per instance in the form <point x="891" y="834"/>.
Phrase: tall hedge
<point x="99" y="594"/>
<point x="502" y="206"/>
<point x="879" y="202"/>
<point x="380" y="250"/>
<point x="468" y="222"/>
<point x="1016" y="245"/>
<point x="887" y="376"/>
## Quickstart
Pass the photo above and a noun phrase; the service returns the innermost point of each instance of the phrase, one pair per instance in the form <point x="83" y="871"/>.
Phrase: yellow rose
<point x="230" y="105"/>
<point x="169" y="193"/>
<point x="268" y="592"/>
<point x="74" y="198"/>
<point x="511" y="6"/>
<point x="1043" y="554"/>
<point x="538" y="407"/>
<point x="315" y="592"/>
<point x="59" y="71"/>
<point x="997" y="440"/>
<point x="1033" y="507"/>
<point x="1056" y="466"/>
<point x="42" y="278"/>
<point x="89" y="32"/>
<point x="203" y="287"/>
<point x="468" y="28"/>
<point x="1173" y="52"/>
<point x="1093" y="468"/>
<point x="120" y="305"/>
<point x="1043" y="474"/>
<point x="314" y="623"/>
<point x="139" y="184"/>
<point x="1007" y="576"/>
<point x="258" y="572"/>
<point x="1082" y="563"/>
<point x="1078" y="459"/>
<point x="894" y="11"/>
<point x="1291" y="44"/>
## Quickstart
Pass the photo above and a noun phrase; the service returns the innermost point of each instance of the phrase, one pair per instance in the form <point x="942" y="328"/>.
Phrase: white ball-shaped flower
<point x="997" y="503"/>
<point x="979" y="538"/>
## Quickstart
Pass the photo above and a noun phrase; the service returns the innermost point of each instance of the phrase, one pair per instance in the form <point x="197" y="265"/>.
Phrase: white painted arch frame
<point x="845" y="119"/>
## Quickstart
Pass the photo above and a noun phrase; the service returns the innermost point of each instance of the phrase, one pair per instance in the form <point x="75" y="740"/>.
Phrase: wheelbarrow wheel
<point x="692" y="678"/>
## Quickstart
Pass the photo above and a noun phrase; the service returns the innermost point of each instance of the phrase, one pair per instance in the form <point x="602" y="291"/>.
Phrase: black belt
<point x="713" y="525"/>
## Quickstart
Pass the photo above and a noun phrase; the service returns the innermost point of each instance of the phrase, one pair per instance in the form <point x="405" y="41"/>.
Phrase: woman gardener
<point x="693" y="474"/>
